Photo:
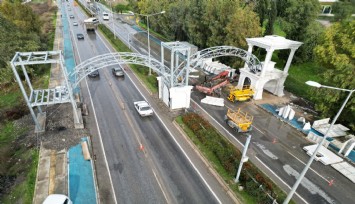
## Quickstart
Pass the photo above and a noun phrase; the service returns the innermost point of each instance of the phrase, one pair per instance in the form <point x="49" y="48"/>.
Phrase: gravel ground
<point x="60" y="132"/>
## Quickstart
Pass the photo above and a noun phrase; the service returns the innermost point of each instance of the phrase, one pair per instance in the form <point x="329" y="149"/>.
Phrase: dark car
<point x="80" y="36"/>
<point x="94" y="74"/>
<point x="118" y="72"/>
<point x="71" y="16"/>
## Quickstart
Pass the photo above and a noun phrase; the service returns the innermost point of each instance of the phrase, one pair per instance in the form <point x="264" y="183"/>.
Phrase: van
<point x="105" y="16"/>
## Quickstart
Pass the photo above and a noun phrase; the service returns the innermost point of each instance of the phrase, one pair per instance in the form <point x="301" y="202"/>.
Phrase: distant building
<point x="327" y="6"/>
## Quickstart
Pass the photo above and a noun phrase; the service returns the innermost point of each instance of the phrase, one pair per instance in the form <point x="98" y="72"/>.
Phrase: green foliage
<point x="336" y="54"/>
<point x="298" y="20"/>
<point x="248" y="27"/>
<point x="311" y="38"/>
<point x="21" y="15"/>
<point x="121" y="8"/>
<point x="224" y="157"/>
<point x="343" y="9"/>
<point x="267" y="12"/>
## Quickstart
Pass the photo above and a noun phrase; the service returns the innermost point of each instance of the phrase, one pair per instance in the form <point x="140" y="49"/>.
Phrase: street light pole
<point x="113" y="24"/>
<point x="243" y="159"/>
<point x="162" y="12"/>
<point x="304" y="171"/>
<point x="150" y="69"/>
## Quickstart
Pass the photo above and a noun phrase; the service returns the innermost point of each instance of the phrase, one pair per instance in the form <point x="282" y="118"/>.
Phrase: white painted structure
<point x="213" y="101"/>
<point x="348" y="146"/>
<point x="324" y="155"/>
<point x="269" y="78"/>
<point x="323" y="125"/>
<point x="346" y="169"/>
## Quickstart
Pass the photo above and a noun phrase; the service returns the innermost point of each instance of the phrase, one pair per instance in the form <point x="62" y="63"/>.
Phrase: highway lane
<point x="290" y="157"/>
<point x="160" y="173"/>
<point x="279" y="146"/>
<point x="286" y="158"/>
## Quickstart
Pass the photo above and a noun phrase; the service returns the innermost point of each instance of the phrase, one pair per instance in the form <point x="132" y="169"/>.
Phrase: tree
<point x="298" y="16"/>
<point x="272" y="13"/>
<point x="244" y="23"/>
<point x="21" y="15"/>
<point x="196" y="27"/>
<point x="343" y="9"/>
<point x="336" y="53"/>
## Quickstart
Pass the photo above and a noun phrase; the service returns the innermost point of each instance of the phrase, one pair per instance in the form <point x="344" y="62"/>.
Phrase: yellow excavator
<point x="240" y="94"/>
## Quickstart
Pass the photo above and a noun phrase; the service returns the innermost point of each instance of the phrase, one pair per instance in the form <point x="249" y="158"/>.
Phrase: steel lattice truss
<point x="40" y="97"/>
<point x="213" y="52"/>
<point x="110" y="59"/>
<point x="28" y="58"/>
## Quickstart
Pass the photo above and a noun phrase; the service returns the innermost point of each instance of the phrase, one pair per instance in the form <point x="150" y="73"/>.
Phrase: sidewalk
<point x="51" y="174"/>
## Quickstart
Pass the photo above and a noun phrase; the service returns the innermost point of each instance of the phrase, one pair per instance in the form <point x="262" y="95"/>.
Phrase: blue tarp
<point x="81" y="179"/>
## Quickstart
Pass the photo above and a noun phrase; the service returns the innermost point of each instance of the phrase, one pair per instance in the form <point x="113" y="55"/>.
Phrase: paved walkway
<point x="56" y="75"/>
<point x="51" y="174"/>
<point x="81" y="179"/>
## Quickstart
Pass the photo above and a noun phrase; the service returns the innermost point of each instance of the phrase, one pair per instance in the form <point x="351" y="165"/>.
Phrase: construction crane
<point x="240" y="94"/>
<point x="211" y="85"/>
<point x="238" y="120"/>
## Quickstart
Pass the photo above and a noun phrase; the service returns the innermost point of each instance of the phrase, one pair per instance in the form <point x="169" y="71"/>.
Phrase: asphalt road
<point x="279" y="148"/>
<point x="157" y="173"/>
<point x="276" y="148"/>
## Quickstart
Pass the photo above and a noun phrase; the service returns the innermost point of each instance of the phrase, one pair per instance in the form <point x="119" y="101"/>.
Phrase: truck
<point x="238" y="120"/>
<point x="91" y="24"/>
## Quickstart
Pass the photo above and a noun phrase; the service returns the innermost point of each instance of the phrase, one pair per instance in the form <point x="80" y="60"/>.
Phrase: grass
<point x="23" y="192"/>
<point x="299" y="74"/>
<point x="139" y="70"/>
<point x="22" y="165"/>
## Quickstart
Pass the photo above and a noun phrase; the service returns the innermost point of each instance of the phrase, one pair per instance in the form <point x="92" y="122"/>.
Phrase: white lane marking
<point x="266" y="151"/>
<point x="161" y="187"/>
<point x="307" y="184"/>
<point x="280" y="179"/>
<point x="172" y="136"/>
<point x="98" y="128"/>
<point x="310" y="168"/>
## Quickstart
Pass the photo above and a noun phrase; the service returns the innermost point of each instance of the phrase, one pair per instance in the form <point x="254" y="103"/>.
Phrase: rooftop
<point x="274" y="41"/>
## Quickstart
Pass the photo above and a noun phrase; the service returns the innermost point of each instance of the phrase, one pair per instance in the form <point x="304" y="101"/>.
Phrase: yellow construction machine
<point x="238" y="120"/>
<point x="240" y="94"/>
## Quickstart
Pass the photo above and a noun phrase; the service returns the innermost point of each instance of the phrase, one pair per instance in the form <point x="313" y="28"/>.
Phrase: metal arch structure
<point x="105" y="60"/>
<point x="40" y="97"/>
<point x="251" y="60"/>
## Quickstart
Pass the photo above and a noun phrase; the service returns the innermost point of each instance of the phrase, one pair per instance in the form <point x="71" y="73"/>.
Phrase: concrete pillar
<point x="241" y="80"/>
<point x="289" y="60"/>
<point x="259" y="88"/>
<point x="172" y="67"/>
<point x="280" y="86"/>
<point x="267" y="60"/>
<point x="250" y="50"/>
<point x="160" y="87"/>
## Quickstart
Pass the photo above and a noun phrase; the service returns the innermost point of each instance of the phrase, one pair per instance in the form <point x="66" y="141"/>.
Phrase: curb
<point x="35" y="190"/>
<point x="209" y="166"/>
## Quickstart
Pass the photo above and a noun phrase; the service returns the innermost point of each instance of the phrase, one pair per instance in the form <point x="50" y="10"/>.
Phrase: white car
<point x="143" y="108"/>
<point x="105" y="16"/>
<point x="75" y="23"/>
<point x="57" y="199"/>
